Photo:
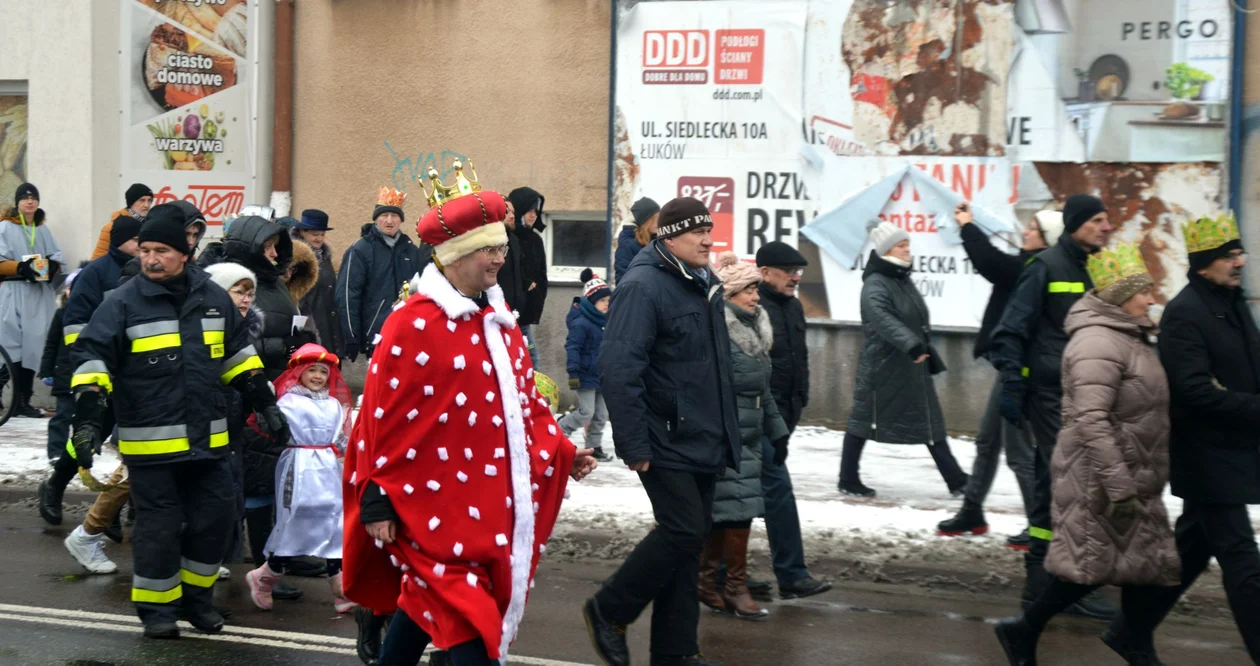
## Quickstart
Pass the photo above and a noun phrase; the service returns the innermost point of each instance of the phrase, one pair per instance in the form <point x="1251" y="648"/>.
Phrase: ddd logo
<point x="676" y="56"/>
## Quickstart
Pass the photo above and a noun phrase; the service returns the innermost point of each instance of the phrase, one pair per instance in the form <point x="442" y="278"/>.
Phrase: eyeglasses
<point x="242" y="293"/>
<point x="794" y="272"/>
<point x="501" y="250"/>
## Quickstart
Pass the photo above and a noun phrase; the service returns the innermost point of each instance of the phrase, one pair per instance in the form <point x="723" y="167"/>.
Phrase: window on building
<point x="576" y="240"/>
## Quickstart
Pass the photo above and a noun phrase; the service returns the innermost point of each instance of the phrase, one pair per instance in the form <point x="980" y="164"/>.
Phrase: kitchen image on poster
<point x="1139" y="81"/>
<point x="187" y="102"/>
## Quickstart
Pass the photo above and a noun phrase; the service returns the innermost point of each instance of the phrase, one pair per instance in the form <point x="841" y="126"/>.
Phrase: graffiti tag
<point x="407" y="169"/>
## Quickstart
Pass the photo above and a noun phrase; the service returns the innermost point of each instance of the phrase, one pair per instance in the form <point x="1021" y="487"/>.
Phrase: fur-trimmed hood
<point x="303" y="271"/>
<point x="754" y="342"/>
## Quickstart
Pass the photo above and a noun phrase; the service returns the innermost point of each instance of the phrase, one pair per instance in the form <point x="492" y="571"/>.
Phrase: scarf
<point x="595" y="316"/>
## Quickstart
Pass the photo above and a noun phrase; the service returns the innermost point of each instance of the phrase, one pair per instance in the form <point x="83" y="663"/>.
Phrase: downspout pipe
<point x="1237" y="121"/>
<point x="612" y="138"/>
<point x="282" y="117"/>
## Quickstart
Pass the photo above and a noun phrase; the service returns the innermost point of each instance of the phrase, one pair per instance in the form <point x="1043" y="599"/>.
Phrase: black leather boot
<point x="1018" y="640"/>
<point x="970" y="520"/>
<point x="368" y="641"/>
<point x="50" y="497"/>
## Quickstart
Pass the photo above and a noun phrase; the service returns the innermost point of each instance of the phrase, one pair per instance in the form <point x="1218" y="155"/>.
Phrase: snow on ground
<point x="611" y="503"/>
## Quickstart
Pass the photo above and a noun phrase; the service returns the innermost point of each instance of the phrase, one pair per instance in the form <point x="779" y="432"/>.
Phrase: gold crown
<point x="1111" y="266"/>
<point x="391" y="197"/>
<point x="1209" y="233"/>
<point x="464" y="185"/>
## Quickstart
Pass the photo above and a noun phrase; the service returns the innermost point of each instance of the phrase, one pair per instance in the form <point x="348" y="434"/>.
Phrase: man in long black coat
<point x="524" y="273"/>
<point x="320" y="303"/>
<point x="1210" y="348"/>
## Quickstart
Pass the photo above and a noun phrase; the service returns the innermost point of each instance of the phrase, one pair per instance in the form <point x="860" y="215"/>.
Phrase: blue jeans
<point x="783" y="525"/>
<point x="59" y="426"/>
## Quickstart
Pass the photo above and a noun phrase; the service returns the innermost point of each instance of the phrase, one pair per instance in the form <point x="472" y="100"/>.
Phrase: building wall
<point x="67" y="54"/>
<point x="385" y="89"/>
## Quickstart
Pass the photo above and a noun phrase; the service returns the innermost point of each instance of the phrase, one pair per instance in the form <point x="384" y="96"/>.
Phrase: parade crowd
<point x="427" y="500"/>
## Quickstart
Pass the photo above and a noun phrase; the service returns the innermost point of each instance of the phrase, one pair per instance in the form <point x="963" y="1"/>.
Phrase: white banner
<point x="187" y="102"/>
<point x="920" y="201"/>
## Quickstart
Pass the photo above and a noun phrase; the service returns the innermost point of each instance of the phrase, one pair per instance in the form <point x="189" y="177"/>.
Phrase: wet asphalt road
<point x="51" y="614"/>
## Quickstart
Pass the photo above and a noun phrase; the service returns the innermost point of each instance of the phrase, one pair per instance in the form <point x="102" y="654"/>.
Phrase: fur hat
<point x="227" y="274"/>
<point x="1050" y="222"/>
<point x="736" y="275"/>
<point x="885" y="235"/>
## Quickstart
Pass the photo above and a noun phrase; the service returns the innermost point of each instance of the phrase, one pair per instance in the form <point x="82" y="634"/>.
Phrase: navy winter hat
<point x="643" y="210"/>
<point x="314" y="219"/>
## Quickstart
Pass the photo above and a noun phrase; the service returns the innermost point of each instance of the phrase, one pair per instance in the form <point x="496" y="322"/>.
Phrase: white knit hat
<point x="227" y="274"/>
<point x="885" y="235"/>
<point x="1051" y="224"/>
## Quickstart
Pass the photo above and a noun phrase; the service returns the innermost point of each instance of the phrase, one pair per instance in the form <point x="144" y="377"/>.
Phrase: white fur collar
<point x="433" y="285"/>
<point x="752" y="342"/>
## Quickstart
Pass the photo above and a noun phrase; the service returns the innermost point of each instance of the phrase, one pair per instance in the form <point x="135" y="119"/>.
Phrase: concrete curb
<point x="23" y="493"/>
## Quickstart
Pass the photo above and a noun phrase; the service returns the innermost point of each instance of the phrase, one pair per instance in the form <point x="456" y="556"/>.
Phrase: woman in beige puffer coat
<point x="1110" y="463"/>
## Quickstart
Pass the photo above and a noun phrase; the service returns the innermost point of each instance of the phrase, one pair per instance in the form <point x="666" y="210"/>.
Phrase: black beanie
<point x="381" y="210"/>
<point x="24" y="190"/>
<point x="643" y="210"/>
<point x="682" y="215"/>
<point x="1201" y="260"/>
<point x="1079" y="209"/>
<point x="125" y="228"/>
<point x="165" y="224"/>
<point x="135" y="192"/>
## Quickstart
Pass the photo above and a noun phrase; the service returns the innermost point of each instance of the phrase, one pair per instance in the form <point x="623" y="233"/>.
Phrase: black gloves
<point x="367" y="351"/>
<point x="780" y="450"/>
<point x="89" y="414"/>
<point x="1011" y="404"/>
<point x="575" y="383"/>
<point x="295" y="341"/>
<point x="352" y="351"/>
<point x="26" y="270"/>
<point x="262" y="399"/>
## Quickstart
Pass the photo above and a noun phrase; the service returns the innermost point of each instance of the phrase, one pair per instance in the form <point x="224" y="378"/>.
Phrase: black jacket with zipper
<point x="372" y="273"/>
<point x="1029" y="340"/>
<point x="665" y="369"/>
<point x="789" y="356"/>
<point x="1210" y="348"/>
<point x="1002" y="270"/>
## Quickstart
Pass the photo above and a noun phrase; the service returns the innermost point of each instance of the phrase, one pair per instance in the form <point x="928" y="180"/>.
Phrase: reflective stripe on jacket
<point x="166" y="368"/>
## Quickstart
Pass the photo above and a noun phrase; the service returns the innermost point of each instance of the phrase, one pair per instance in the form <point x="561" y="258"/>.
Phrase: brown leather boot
<point x="710" y="560"/>
<point x="738" y="600"/>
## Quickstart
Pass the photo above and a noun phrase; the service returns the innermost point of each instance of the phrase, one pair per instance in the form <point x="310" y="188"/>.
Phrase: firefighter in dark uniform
<point x="163" y="347"/>
<point x="1027" y="351"/>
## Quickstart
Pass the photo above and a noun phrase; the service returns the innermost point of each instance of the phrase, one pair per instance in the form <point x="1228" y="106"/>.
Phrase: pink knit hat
<point x="736" y="275"/>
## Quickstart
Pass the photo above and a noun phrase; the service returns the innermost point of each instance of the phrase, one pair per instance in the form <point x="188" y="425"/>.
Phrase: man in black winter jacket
<point x="665" y="367"/>
<point x="781" y="266"/>
<point x="373" y="271"/>
<point x="1210" y="348"/>
<point x="1028" y="352"/>
<point x="1002" y="270"/>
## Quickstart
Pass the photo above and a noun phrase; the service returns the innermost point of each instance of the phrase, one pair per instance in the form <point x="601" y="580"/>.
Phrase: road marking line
<point x="232" y="634"/>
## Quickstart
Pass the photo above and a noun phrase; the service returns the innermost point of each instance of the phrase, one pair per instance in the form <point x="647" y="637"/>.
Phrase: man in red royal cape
<point x="456" y="469"/>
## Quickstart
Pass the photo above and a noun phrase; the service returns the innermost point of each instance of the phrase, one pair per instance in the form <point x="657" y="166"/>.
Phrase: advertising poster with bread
<point x="187" y="101"/>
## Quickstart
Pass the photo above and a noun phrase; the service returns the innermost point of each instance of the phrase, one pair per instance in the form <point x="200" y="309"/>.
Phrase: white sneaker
<point x="89" y="550"/>
<point x="224" y="573"/>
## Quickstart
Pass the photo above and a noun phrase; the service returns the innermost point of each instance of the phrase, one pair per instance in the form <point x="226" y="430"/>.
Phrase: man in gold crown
<point x="456" y="468"/>
<point x="372" y="271"/>
<point x="1210" y="348"/>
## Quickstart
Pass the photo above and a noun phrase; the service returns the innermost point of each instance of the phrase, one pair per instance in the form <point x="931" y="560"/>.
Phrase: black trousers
<point x="184" y="515"/>
<point x="405" y="642"/>
<point x="1222" y="531"/>
<point x="1138" y="616"/>
<point x="1042" y="421"/>
<point x="664" y="568"/>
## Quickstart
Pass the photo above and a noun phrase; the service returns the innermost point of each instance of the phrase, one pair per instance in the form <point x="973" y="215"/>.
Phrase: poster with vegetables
<point x="187" y="102"/>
